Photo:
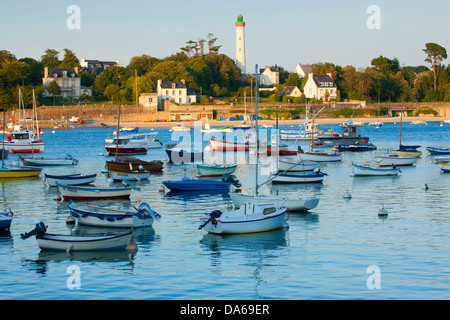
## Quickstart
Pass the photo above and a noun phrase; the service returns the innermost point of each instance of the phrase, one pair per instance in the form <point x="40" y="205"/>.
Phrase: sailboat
<point x="252" y="216"/>
<point x="320" y="155"/>
<point x="294" y="203"/>
<point x="406" y="150"/>
<point x="19" y="172"/>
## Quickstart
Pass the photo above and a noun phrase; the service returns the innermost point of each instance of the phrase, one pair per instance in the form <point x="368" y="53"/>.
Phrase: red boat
<point x="219" y="145"/>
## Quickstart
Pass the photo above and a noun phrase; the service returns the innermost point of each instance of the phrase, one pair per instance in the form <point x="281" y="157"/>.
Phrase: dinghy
<point x="5" y="220"/>
<point x="366" y="170"/>
<point x="215" y="170"/>
<point x="390" y="159"/>
<point x="120" y="175"/>
<point x="19" y="172"/>
<point x="67" y="161"/>
<point x="249" y="218"/>
<point x="296" y="164"/>
<point x="188" y="184"/>
<point x="445" y="167"/>
<point x="297" y="203"/>
<point x="433" y="150"/>
<point x="142" y="216"/>
<point x="70" y="179"/>
<point x="313" y="177"/>
<point x="94" y="193"/>
<point x="58" y="242"/>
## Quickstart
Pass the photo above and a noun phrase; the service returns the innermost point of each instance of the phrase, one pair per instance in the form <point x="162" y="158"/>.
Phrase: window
<point x="167" y="92"/>
<point x="269" y="210"/>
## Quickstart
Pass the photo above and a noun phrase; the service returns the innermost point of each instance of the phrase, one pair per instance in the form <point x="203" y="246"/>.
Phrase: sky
<point x="282" y="32"/>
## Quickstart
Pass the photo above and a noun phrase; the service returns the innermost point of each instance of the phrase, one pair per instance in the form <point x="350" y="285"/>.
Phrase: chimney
<point x="46" y="72"/>
<point x="76" y="70"/>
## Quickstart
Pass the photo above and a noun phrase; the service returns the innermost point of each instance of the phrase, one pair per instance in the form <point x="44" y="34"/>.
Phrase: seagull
<point x="425" y="187"/>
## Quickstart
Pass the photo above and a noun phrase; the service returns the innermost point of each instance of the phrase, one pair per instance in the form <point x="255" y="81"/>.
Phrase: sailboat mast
<point x="117" y="136"/>
<point x="401" y="124"/>
<point x="3" y="139"/>
<point x="35" y="114"/>
<point x="257" y="131"/>
<point x="137" y="103"/>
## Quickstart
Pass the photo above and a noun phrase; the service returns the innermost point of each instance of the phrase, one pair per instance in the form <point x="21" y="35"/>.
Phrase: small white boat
<point x="249" y="218"/>
<point x="93" y="192"/>
<point x="390" y="159"/>
<point x="294" y="203"/>
<point x="215" y="170"/>
<point x="70" y="179"/>
<point x="133" y="144"/>
<point x="366" y="170"/>
<point x="67" y="161"/>
<point x="442" y="159"/>
<point x="208" y="129"/>
<point x="321" y="156"/>
<point x="418" y="122"/>
<point x="137" y="175"/>
<point x="312" y="177"/>
<point x="24" y="142"/>
<point x="68" y="243"/>
<point x="142" y="216"/>
<point x="295" y="164"/>
<point x="180" y="127"/>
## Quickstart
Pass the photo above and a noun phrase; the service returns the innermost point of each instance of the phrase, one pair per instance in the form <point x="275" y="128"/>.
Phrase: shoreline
<point x="218" y="123"/>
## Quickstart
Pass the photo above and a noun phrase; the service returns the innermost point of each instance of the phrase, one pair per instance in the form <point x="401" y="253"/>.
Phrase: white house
<point x="149" y="100"/>
<point x="269" y="76"/>
<point x="320" y="86"/>
<point x="175" y="91"/>
<point x="69" y="81"/>
<point x="303" y="69"/>
<point x="290" y="91"/>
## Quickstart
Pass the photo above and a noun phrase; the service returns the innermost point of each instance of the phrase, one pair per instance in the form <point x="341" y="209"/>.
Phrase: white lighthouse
<point x="240" y="44"/>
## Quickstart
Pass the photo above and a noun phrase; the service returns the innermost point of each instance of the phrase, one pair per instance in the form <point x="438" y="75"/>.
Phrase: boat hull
<point x="395" y="159"/>
<point x="408" y="153"/>
<point x="124" y="165"/>
<point x="100" y="217"/>
<point x="5" y="221"/>
<point x="81" y="243"/>
<point x="119" y="175"/>
<point x="248" y="223"/>
<point x="219" y="170"/>
<point x="88" y="193"/>
<point x="294" y="203"/>
<point x="432" y="150"/>
<point x="321" y="156"/>
<point x="224" y="146"/>
<point x="296" y="165"/>
<point x="48" y="162"/>
<point x="293" y="178"/>
<point x="197" y="185"/>
<point x="368" y="171"/>
<point x="179" y="156"/>
<point x="125" y="151"/>
<point x="71" y="180"/>
<point x="20" y="173"/>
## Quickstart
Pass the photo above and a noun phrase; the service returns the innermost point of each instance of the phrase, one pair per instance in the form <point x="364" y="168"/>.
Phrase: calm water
<point x="325" y="254"/>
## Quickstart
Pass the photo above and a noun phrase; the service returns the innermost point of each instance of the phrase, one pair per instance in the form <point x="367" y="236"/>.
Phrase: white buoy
<point x="101" y="154"/>
<point x="382" y="212"/>
<point x="347" y="195"/>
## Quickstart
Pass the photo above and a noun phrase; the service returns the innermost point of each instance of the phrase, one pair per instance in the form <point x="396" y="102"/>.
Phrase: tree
<point x="70" y="60"/>
<point x="54" y="89"/>
<point x="435" y="54"/>
<point x="385" y="65"/>
<point x="142" y="64"/>
<point x="293" y="80"/>
<point x="50" y="59"/>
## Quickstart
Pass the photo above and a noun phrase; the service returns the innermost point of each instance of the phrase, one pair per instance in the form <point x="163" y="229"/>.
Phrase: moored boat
<point x="133" y="144"/>
<point x="120" y="175"/>
<point x="296" y="164"/>
<point x="188" y="184"/>
<point x="408" y="151"/>
<point x="134" y="164"/>
<point x="68" y="243"/>
<point x="19" y="172"/>
<point x="390" y="159"/>
<point x="366" y="170"/>
<point x="249" y="218"/>
<point x="69" y="179"/>
<point x="294" y="203"/>
<point x="5" y="220"/>
<point x="23" y="142"/>
<point x="142" y="216"/>
<point x="434" y="150"/>
<point x="321" y="156"/>
<point x="67" y="161"/>
<point x="310" y="177"/>
<point x="215" y="170"/>
<point x="357" y="146"/>
<point x="180" y="154"/>
<point x="445" y="167"/>
<point x="93" y="192"/>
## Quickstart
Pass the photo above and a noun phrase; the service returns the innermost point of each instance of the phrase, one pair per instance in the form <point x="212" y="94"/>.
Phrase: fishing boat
<point x="208" y="129"/>
<point x="433" y="150"/>
<point x="94" y="193"/>
<point x="183" y="154"/>
<point x="134" y="164"/>
<point x="310" y="177"/>
<point x="357" y="146"/>
<point x="390" y="159"/>
<point x="249" y="218"/>
<point x="24" y="142"/>
<point x="366" y="170"/>
<point x="296" y="164"/>
<point x="5" y="220"/>
<point x="296" y="203"/>
<point x="410" y="150"/>
<point x="215" y="170"/>
<point x="445" y="167"/>
<point x="349" y="135"/>
<point x="137" y="175"/>
<point x="140" y="217"/>
<point x="179" y="127"/>
<point x="133" y="144"/>
<point x="69" y="179"/>
<point x="67" y="161"/>
<point x="308" y="130"/>
<point x="68" y="243"/>
<point x="188" y="184"/>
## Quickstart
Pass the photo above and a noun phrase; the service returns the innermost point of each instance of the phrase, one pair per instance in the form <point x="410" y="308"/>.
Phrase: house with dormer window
<point x="69" y="81"/>
<point x="175" y="91"/>
<point x="321" y="87"/>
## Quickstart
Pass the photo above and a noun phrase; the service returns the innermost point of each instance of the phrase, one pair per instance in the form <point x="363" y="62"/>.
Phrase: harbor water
<point x="341" y="249"/>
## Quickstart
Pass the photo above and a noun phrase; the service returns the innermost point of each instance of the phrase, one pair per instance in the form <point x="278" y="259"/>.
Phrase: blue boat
<point x="433" y="150"/>
<point x="188" y="184"/>
<point x="5" y="220"/>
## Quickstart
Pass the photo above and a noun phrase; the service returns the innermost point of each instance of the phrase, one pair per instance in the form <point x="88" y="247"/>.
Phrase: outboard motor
<point x="229" y="178"/>
<point x="144" y="209"/>
<point x="212" y="218"/>
<point x="40" y="229"/>
<point x="317" y="171"/>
